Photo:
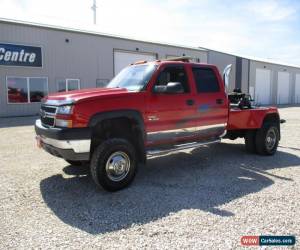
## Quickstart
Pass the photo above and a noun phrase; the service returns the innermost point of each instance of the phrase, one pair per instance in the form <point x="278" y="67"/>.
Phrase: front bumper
<point x="70" y="144"/>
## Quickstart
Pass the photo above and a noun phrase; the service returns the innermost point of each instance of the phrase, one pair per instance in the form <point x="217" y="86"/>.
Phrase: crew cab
<point x="150" y="109"/>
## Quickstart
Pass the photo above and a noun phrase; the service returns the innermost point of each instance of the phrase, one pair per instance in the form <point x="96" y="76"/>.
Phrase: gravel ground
<point x="201" y="199"/>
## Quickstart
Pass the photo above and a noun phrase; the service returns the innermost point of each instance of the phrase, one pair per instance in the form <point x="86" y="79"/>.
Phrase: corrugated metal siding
<point x="274" y="78"/>
<point x="87" y="57"/>
<point x="221" y="60"/>
<point x="238" y="72"/>
<point x="245" y="75"/>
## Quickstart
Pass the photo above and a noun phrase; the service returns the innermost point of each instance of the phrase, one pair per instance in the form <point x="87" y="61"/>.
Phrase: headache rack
<point x="174" y="59"/>
<point x="178" y="59"/>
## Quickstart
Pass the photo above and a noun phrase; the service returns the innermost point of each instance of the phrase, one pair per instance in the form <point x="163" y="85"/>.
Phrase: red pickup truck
<point x="151" y="108"/>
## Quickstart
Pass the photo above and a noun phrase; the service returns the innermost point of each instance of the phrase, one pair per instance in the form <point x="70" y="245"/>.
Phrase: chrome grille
<point x="47" y="114"/>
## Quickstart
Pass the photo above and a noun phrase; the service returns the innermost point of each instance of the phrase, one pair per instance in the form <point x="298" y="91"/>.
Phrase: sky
<point x="267" y="29"/>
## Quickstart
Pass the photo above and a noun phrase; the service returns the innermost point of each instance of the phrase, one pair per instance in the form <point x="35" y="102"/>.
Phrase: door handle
<point x="190" y="102"/>
<point x="219" y="101"/>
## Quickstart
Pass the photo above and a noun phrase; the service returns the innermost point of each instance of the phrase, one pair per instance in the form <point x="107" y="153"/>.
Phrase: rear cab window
<point x="206" y="80"/>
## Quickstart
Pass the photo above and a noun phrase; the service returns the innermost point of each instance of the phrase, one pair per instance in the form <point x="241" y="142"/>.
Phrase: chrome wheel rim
<point x="117" y="166"/>
<point x="271" y="139"/>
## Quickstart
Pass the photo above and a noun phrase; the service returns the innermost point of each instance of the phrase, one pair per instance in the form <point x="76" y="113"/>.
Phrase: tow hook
<point x="282" y="121"/>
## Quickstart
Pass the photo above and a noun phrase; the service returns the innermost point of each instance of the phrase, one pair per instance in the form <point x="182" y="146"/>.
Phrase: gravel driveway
<point x="201" y="199"/>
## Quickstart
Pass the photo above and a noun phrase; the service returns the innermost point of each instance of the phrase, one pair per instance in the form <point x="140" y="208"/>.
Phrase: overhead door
<point x="297" y="89"/>
<point x="124" y="58"/>
<point x="263" y="86"/>
<point x="283" y="88"/>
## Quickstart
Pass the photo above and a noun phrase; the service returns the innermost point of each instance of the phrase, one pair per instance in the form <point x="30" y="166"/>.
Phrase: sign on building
<point x="20" y="55"/>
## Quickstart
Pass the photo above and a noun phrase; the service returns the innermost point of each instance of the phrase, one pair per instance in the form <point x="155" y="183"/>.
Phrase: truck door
<point x="211" y="102"/>
<point x="170" y="117"/>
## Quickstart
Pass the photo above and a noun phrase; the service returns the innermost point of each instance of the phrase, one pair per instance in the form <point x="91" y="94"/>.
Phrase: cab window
<point x="173" y="74"/>
<point x="206" y="80"/>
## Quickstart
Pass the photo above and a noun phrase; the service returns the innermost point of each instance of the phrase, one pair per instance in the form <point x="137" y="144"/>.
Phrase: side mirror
<point x="226" y="74"/>
<point x="170" y="88"/>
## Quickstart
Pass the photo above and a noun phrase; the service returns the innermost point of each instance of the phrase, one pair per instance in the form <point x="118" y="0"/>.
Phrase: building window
<point x="101" y="83"/>
<point x="61" y="85"/>
<point x="26" y="89"/>
<point x="68" y="84"/>
<point x="38" y="88"/>
<point x="17" y="90"/>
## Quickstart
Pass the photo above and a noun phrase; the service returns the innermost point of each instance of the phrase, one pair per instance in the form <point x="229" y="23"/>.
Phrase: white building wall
<point x="221" y="60"/>
<point x="245" y="75"/>
<point x="297" y="89"/>
<point x="85" y="56"/>
<point x="275" y="70"/>
<point x="283" y="88"/>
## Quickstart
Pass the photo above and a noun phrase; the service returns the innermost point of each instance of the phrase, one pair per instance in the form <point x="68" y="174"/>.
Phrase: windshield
<point x="133" y="78"/>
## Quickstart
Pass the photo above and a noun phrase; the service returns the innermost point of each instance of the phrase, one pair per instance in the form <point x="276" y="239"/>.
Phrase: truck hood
<point x="77" y="95"/>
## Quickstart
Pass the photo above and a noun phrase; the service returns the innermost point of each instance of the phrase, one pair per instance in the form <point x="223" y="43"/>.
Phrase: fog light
<point x="63" y="123"/>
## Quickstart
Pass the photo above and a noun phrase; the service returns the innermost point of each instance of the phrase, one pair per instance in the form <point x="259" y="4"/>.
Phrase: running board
<point x="178" y="147"/>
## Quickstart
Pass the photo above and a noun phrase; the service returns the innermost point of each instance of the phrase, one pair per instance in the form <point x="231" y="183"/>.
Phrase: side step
<point x="178" y="147"/>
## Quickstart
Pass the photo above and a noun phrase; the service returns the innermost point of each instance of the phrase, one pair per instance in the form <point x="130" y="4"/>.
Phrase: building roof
<point x="96" y="33"/>
<point x="271" y="61"/>
<point x="93" y="32"/>
<point x="257" y="59"/>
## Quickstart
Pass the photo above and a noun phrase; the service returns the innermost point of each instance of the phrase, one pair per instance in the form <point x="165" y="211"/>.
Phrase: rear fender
<point x="273" y="118"/>
<point x="252" y="118"/>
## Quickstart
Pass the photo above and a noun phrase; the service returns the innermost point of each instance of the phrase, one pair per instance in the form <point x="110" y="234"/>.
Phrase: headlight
<point x="64" y="110"/>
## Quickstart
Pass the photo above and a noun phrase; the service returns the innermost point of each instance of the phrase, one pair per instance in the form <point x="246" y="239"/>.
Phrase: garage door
<point x="297" y="89"/>
<point x="263" y="86"/>
<point x="283" y="88"/>
<point x="124" y="58"/>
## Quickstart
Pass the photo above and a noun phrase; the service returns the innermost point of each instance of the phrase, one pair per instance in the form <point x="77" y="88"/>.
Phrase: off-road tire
<point x="250" y="143"/>
<point x="261" y="140"/>
<point x="77" y="163"/>
<point x="100" y="158"/>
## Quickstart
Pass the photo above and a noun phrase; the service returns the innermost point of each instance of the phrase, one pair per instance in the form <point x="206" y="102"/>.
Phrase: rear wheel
<point x="250" y="141"/>
<point x="267" y="139"/>
<point x="113" y="164"/>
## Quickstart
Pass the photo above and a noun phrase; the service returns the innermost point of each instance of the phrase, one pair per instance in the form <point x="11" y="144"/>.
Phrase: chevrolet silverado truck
<point x="150" y="109"/>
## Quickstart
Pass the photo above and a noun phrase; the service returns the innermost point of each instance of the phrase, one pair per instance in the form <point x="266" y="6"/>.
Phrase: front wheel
<point x="267" y="139"/>
<point x="77" y="163"/>
<point x="113" y="164"/>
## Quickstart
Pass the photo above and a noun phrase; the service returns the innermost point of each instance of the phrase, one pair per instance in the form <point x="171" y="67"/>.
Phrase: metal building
<point x="272" y="83"/>
<point x="36" y="60"/>
<point x="39" y="59"/>
<point x="268" y="82"/>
